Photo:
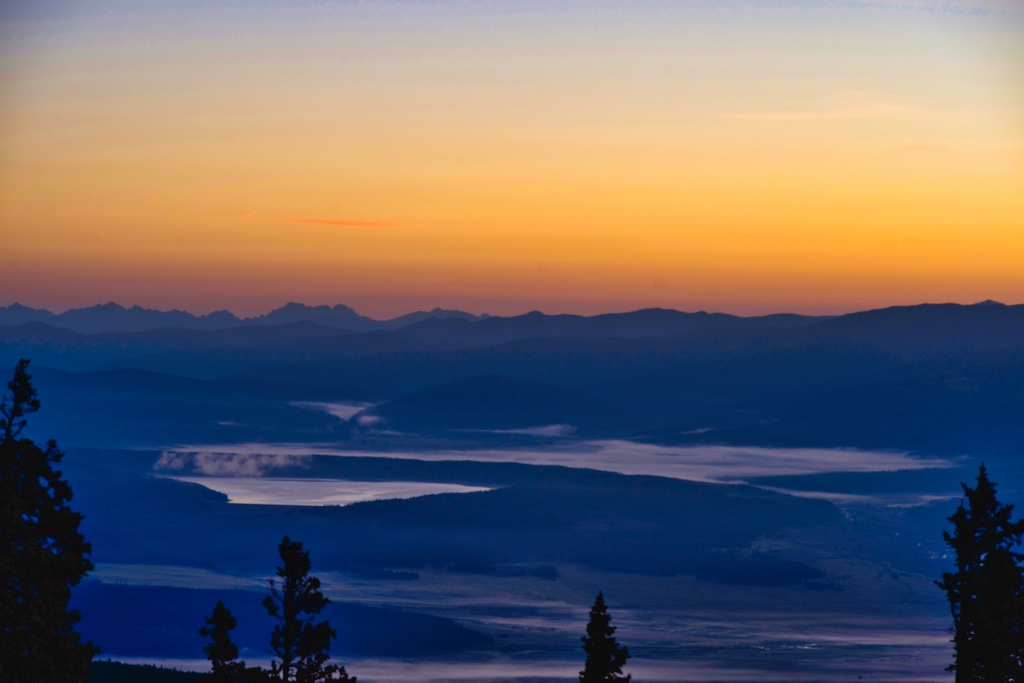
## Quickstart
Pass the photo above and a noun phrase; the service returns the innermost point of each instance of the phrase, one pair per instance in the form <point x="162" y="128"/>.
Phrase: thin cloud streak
<point x="966" y="7"/>
<point x="871" y="112"/>
<point x="343" y="223"/>
<point x="836" y="105"/>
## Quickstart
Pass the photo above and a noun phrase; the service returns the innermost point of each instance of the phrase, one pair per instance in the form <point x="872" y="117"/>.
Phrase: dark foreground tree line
<point x="43" y="556"/>
<point x="301" y="644"/>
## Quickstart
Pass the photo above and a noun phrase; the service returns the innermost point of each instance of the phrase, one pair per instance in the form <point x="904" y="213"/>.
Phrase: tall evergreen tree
<point x="221" y="651"/>
<point x="986" y="592"/>
<point x="42" y="553"/>
<point x="605" y="657"/>
<point x="300" y="642"/>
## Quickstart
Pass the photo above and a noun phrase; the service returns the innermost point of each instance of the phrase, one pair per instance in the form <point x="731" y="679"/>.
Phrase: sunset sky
<point x="499" y="157"/>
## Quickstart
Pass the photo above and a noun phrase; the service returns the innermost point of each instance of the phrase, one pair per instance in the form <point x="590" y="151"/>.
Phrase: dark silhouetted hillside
<point x="119" y="672"/>
<point x="927" y="329"/>
<point x="654" y="322"/>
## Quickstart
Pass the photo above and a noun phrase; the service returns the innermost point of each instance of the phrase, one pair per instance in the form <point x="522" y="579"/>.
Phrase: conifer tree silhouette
<point x="986" y="592"/>
<point x="300" y="642"/>
<point x="42" y="553"/>
<point x="221" y="651"/>
<point x="605" y="657"/>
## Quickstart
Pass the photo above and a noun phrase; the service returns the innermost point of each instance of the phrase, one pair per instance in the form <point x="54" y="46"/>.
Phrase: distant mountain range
<point x="918" y="326"/>
<point x="439" y="323"/>
<point x="436" y="346"/>
<point x="112" y="317"/>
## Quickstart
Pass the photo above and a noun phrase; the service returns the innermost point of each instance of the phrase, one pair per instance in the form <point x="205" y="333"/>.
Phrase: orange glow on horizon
<point x="853" y="158"/>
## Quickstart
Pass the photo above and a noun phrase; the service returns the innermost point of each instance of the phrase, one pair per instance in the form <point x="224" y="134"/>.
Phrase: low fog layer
<point x="342" y="411"/>
<point x="278" y="491"/>
<point x="697" y="463"/>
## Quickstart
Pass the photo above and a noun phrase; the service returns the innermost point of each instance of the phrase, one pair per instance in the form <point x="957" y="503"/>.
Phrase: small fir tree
<point x="42" y="553"/>
<point x="300" y="642"/>
<point x="221" y="651"/>
<point x="605" y="657"/>
<point x="986" y="592"/>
